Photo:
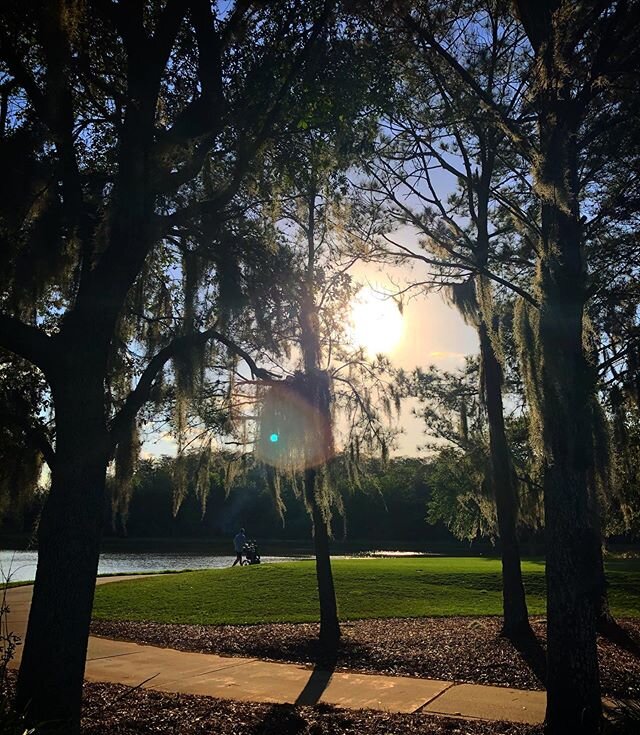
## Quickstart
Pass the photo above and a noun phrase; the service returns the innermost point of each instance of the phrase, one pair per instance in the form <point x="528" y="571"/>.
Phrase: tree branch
<point x="502" y="121"/>
<point x="142" y="392"/>
<point x="34" y="432"/>
<point x="27" y="341"/>
<point x="22" y="75"/>
<point x="470" y="266"/>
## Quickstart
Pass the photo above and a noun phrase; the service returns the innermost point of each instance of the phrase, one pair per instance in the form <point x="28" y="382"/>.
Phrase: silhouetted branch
<point x="180" y="345"/>
<point x="27" y="341"/>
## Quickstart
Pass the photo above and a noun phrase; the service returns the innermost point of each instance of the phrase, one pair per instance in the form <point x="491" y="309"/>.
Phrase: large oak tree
<point x="110" y="113"/>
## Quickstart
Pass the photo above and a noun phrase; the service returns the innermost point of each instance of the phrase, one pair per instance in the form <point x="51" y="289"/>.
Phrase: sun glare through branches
<point x="376" y="322"/>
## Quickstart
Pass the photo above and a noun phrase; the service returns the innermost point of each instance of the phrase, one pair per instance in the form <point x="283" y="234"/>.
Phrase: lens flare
<point x="293" y="434"/>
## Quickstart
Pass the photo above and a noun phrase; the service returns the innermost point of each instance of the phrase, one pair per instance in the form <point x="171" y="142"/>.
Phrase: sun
<point x="376" y="322"/>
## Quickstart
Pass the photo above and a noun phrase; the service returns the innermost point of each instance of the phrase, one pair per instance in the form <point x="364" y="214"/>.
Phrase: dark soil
<point x="455" y="649"/>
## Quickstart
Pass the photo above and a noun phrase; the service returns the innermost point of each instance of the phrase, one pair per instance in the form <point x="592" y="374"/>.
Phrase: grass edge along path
<point x="366" y="588"/>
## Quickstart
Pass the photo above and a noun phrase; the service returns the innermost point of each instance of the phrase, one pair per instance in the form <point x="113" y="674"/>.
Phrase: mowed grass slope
<point x="366" y="588"/>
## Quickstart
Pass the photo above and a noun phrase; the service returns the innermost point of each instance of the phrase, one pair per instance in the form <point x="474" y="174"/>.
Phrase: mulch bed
<point x="116" y="710"/>
<point x="457" y="649"/>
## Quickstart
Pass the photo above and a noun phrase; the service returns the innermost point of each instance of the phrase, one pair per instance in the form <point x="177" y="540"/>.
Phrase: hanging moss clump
<point x="464" y="297"/>
<point x="126" y="462"/>
<point x="202" y="483"/>
<point x="180" y="482"/>
<point x="525" y="323"/>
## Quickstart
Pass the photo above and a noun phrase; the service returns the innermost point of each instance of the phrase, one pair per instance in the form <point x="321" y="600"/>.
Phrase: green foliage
<point x="622" y="502"/>
<point x="460" y="497"/>
<point x="305" y="175"/>
<point x="23" y="403"/>
<point x="449" y="403"/>
<point x="388" y="506"/>
<point x="459" y="462"/>
<point x="163" y="249"/>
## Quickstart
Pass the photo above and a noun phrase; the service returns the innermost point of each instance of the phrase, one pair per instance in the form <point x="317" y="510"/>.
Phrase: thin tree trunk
<point x="600" y="474"/>
<point x="604" y="619"/>
<point x="318" y="396"/>
<point x="605" y="622"/>
<point x="329" y="625"/>
<point x="514" y="605"/>
<point x="516" y="616"/>
<point x="68" y="550"/>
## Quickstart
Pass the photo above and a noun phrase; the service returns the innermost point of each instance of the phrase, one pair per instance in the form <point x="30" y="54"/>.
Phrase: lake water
<point x="20" y="566"/>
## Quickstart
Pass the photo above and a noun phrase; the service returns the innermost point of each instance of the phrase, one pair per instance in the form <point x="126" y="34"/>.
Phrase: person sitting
<point x="239" y="540"/>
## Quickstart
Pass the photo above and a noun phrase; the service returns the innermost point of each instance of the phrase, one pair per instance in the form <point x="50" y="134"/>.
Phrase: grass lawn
<point x="366" y="588"/>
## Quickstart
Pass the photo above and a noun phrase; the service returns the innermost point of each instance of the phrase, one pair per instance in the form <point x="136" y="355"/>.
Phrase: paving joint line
<point x="226" y="667"/>
<point x="435" y="696"/>
<point x="460" y="716"/>
<point x="115" y="655"/>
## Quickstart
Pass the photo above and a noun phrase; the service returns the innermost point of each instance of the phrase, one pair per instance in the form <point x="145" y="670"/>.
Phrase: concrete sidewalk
<point x="248" y="679"/>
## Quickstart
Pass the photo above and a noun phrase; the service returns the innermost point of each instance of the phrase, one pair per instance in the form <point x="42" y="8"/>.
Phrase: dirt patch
<point x="456" y="649"/>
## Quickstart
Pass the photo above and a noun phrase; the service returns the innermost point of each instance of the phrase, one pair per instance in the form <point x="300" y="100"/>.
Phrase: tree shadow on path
<point x="320" y="676"/>
<point x="315" y="687"/>
<point x="283" y="719"/>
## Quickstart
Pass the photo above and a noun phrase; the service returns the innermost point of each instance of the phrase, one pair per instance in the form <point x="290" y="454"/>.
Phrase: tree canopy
<point x="187" y="187"/>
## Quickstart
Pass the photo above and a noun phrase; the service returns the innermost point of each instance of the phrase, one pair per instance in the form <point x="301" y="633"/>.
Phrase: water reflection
<point x="20" y="566"/>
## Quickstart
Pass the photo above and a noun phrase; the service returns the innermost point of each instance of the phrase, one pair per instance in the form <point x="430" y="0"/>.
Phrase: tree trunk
<point x="516" y="616"/>
<point x="319" y="399"/>
<point x="604" y="619"/>
<point x="329" y="625"/>
<point x="563" y="389"/>
<point x="573" y="686"/>
<point x="50" y="680"/>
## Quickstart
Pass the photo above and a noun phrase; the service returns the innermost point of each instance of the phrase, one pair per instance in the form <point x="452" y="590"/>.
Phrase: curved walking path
<point x="250" y="679"/>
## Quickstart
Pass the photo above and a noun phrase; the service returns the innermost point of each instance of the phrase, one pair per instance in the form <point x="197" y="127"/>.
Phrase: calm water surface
<point x="20" y="566"/>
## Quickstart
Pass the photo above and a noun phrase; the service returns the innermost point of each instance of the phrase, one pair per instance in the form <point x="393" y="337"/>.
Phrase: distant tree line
<point x="440" y="502"/>
<point x="391" y="505"/>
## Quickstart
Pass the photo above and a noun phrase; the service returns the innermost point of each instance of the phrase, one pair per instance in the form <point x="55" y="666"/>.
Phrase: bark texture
<point x="68" y="550"/>
<point x="573" y="694"/>
<point x="71" y="525"/>
<point x="502" y="476"/>
<point x="319" y="398"/>
<point x="563" y="390"/>
<point x="329" y="625"/>
<point x="516" y="616"/>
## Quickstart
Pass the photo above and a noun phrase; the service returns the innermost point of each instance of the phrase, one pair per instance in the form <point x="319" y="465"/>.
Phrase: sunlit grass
<point x="366" y="588"/>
